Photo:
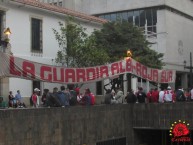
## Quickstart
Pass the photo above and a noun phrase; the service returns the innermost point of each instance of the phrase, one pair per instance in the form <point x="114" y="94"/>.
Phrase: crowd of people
<point x="58" y="98"/>
<point x="16" y="101"/>
<point x="63" y="98"/>
<point x="152" y="96"/>
<point x="72" y="96"/>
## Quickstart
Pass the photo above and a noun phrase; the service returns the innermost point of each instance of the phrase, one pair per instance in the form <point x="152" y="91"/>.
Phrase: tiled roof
<point x="61" y="10"/>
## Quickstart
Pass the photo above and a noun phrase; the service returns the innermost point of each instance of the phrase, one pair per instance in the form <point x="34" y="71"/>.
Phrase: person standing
<point x="35" y="98"/>
<point x="141" y="96"/>
<point x="79" y="95"/>
<point x="18" y="98"/>
<point x="63" y="97"/>
<point x="108" y="97"/>
<point x="12" y="101"/>
<point x="180" y="95"/>
<point x="168" y="95"/>
<point x="130" y="98"/>
<point x="187" y="94"/>
<point x="73" y="95"/>
<point x="155" y="95"/>
<point x="149" y="96"/>
<point x="119" y="97"/>
<point x="161" y="95"/>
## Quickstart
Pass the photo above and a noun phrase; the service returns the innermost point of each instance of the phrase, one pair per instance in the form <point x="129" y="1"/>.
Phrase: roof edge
<point x="61" y="10"/>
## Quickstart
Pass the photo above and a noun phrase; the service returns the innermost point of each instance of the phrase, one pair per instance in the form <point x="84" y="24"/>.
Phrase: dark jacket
<point x="108" y="97"/>
<point x="131" y="98"/>
<point x="63" y="98"/>
<point x="141" y="97"/>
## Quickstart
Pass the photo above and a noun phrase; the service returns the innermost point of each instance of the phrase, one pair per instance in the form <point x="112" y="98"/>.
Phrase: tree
<point x="77" y="48"/>
<point x="118" y="37"/>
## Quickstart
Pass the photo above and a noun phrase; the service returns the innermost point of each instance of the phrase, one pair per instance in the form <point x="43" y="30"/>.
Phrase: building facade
<point x="32" y="37"/>
<point x="166" y="23"/>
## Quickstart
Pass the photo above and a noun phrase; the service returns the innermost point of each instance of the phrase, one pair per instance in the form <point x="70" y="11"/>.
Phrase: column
<point x="184" y="80"/>
<point x="134" y="84"/>
<point x="125" y="85"/>
<point x="147" y="85"/>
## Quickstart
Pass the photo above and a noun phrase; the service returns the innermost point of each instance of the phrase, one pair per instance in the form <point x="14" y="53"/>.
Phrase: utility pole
<point x="190" y="68"/>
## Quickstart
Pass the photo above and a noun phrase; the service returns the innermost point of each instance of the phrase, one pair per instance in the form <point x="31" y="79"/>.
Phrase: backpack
<point x="73" y="98"/>
<point x="55" y="102"/>
<point x="180" y="96"/>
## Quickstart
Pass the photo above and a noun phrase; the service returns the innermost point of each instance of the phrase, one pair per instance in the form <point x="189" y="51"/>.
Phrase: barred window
<point x="36" y="35"/>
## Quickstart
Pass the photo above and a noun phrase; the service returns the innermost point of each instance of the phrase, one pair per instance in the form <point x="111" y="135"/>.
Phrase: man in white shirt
<point x="161" y="95"/>
<point x="168" y="95"/>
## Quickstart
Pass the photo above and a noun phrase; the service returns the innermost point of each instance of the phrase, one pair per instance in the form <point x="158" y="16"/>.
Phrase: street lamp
<point x="129" y="53"/>
<point x="128" y="75"/>
<point x="7" y="31"/>
<point x="5" y="41"/>
<point x="190" y="68"/>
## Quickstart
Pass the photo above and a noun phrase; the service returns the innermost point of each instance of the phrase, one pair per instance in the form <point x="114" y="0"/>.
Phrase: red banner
<point x="11" y="66"/>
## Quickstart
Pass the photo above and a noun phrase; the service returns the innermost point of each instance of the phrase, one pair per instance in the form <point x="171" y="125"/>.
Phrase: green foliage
<point x="77" y="49"/>
<point x="118" y="37"/>
<point x="103" y="46"/>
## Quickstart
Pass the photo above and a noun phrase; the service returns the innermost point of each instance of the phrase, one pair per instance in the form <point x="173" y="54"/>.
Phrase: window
<point x="154" y="13"/>
<point x="142" y="18"/>
<point x="149" y="17"/>
<point x="113" y="17"/>
<point x="119" y="17"/>
<point x="36" y="35"/>
<point x="108" y="17"/>
<point x="137" y="17"/>
<point x="102" y="16"/>
<point x="99" y="88"/>
<point x="130" y="17"/>
<point x="36" y="84"/>
<point x="124" y="16"/>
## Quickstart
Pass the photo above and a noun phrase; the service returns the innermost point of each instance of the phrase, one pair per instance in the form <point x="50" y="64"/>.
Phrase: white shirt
<point x="168" y="96"/>
<point x="191" y="92"/>
<point x="161" y="96"/>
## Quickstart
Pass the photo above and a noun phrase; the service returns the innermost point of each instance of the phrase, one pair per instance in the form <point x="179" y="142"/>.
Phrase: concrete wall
<point x="88" y="125"/>
<point x="161" y="116"/>
<point x="105" y="6"/>
<point x="181" y="5"/>
<point x="65" y="126"/>
<point x="179" y="40"/>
